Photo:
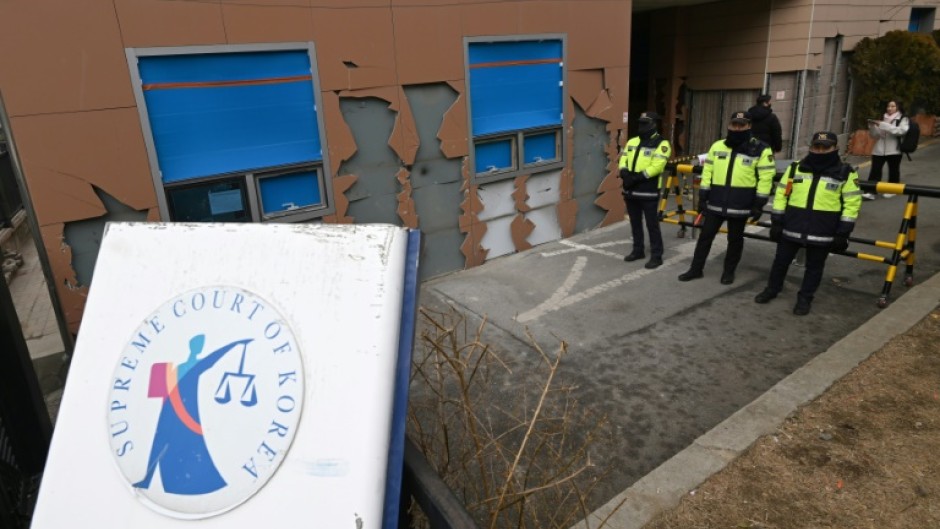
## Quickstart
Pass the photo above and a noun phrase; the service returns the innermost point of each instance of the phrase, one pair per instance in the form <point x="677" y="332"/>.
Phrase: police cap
<point x="824" y="139"/>
<point x="650" y="116"/>
<point x="741" y="117"/>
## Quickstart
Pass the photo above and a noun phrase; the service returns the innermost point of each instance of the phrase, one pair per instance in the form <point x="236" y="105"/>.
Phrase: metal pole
<point x="34" y="231"/>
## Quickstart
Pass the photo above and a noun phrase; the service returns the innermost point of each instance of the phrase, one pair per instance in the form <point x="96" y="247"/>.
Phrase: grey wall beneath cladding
<point x="435" y="182"/>
<point x="84" y="236"/>
<point x="373" y="197"/>
<point x="429" y="103"/>
<point x="589" y="162"/>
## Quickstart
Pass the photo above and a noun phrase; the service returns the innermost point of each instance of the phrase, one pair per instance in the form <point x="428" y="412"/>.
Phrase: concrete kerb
<point x="662" y="488"/>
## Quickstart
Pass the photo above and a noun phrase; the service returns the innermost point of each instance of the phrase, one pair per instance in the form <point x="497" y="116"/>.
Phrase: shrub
<point x="899" y="65"/>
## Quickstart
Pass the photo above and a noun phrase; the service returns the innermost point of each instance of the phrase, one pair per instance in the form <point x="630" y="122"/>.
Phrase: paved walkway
<point x="668" y="363"/>
<point x="40" y="328"/>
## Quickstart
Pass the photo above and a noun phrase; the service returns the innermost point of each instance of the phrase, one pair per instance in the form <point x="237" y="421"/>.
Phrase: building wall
<point x="391" y="76"/>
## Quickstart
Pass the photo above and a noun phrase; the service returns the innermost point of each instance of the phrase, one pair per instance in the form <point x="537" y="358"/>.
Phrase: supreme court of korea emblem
<point x="205" y="401"/>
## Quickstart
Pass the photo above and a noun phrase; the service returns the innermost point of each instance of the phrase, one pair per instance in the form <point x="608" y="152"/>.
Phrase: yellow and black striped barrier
<point x="682" y="177"/>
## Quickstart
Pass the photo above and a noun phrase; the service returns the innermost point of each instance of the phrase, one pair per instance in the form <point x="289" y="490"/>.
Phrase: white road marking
<point x="575" y="247"/>
<point x="562" y="297"/>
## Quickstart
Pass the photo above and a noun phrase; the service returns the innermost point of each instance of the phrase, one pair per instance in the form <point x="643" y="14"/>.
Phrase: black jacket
<point x="765" y="126"/>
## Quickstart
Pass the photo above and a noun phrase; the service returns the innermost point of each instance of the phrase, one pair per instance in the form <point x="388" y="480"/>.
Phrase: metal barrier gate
<point x="683" y="178"/>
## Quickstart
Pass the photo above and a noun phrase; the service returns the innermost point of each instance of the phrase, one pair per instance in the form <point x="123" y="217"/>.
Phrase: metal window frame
<point x="301" y="213"/>
<point x="520" y="167"/>
<point x="251" y="187"/>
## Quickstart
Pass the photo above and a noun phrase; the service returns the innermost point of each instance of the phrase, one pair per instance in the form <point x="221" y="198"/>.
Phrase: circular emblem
<point x="205" y="401"/>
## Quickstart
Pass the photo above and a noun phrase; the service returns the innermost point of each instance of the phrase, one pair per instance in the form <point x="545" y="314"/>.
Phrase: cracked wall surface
<point x="394" y="111"/>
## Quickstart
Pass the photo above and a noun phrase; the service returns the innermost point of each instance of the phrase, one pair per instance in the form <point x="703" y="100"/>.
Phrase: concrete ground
<point x="669" y="362"/>
<point x="40" y="328"/>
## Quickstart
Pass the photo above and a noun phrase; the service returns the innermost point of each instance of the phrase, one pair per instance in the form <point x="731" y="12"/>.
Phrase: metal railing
<point x="902" y="247"/>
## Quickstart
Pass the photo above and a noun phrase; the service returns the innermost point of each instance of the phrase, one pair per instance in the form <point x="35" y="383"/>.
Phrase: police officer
<point x="736" y="180"/>
<point x="815" y="207"/>
<point x="641" y="163"/>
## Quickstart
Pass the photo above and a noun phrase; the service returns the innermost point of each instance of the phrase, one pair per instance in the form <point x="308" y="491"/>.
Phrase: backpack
<point x="909" y="141"/>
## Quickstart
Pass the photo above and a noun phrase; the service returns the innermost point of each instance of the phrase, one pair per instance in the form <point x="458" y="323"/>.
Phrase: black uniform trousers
<point x="710" y="228"/>
<point x="812" y="277"/>
<point x="637" y="210"/>
<point x="894" y="168"/>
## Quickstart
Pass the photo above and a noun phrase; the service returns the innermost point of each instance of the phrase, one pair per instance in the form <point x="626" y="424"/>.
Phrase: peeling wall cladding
<point x="84" y="236"/>
<point x="435" y="181"/>
<point x="372" y="197"/>
<point x="394" y="105"/>
<point x="590" y="167"/>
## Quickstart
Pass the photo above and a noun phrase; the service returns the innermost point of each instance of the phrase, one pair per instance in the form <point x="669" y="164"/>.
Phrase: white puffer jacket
<point x="888" y="135"/>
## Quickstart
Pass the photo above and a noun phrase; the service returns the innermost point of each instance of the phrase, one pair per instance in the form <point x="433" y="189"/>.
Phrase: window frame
<point x="925" y="19"/>
<point x="253" y="176"/>
<point x="518" y="135"/>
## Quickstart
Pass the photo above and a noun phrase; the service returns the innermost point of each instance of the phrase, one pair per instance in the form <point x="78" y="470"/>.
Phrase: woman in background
<point x="888" y="131"/>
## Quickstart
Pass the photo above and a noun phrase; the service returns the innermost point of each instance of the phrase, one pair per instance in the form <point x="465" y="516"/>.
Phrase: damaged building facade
<point x="490" y="126"/>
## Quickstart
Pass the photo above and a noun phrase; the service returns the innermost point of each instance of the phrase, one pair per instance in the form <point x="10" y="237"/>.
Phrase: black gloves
<point x="776" y="230"/>
<point x="839" y="244"/>
<point x="702" y="200"/>
<point x="757" y="208"/>
<point x="630" y="179"/>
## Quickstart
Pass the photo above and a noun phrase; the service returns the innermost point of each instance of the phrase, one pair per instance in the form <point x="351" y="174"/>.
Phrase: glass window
<point x="542" y="147"/>
<point x="218" y="113"/>
<point x="213" y="201"/>
<point x="289" y="192"/>
<point x="516" y="95"/>
<point x="495" y="155"/>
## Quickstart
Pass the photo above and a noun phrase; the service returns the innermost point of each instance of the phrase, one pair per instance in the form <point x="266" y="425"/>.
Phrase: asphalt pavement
<point x="690" y="374"/>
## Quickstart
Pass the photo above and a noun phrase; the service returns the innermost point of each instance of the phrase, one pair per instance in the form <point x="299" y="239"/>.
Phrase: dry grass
<point x="863" y="455"/>
<point x="515" y="453"/>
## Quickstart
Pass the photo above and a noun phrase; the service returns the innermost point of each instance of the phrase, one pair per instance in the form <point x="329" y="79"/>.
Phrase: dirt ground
<point x="863" y="455"/>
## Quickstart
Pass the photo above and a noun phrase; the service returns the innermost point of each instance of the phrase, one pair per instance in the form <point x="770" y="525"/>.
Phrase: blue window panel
<point x="211" y="67"/>
<point x="494" y="156"/>
<point x="200" y="129"/>
<point x="289" y="192"/>
<point x="539" y="148"/>
<point x="508" y="94"/>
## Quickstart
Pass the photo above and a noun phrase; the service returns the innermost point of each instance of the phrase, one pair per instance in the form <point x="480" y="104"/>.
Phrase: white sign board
<point x="231" y="376"/>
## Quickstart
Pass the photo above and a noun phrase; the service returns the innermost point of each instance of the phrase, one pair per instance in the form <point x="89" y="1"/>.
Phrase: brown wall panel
<point x="617" y="82"/>
<point x="453" y="131"/>
<point x="497" y="18"/>
<point x="71" y="298"/>
<point x="588" y="20"/>
<point x="62" y="153"/>
<point x="61" y="56"/>
<point x="267" y="3"/>
<point x="355" y="48"/>
<point x="246" y="24"/>
<point x="349" y="3"/>
<point x="428" y="45"/>
<point x="339" y="139"/>
<point x="150" y="23"/>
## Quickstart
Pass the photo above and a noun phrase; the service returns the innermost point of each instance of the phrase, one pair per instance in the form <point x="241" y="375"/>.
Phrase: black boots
<point x="765" y="296"/>
<point x="654" y="262"/>
<point x="690" y="275"/>
<point x="802" y="306"/>
<point x="727" y="277"/>
<point x="634" y="256"/>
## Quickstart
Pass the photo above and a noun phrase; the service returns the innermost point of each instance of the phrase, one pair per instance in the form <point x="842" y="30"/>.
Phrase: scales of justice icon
<point x="238" y="379"/>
